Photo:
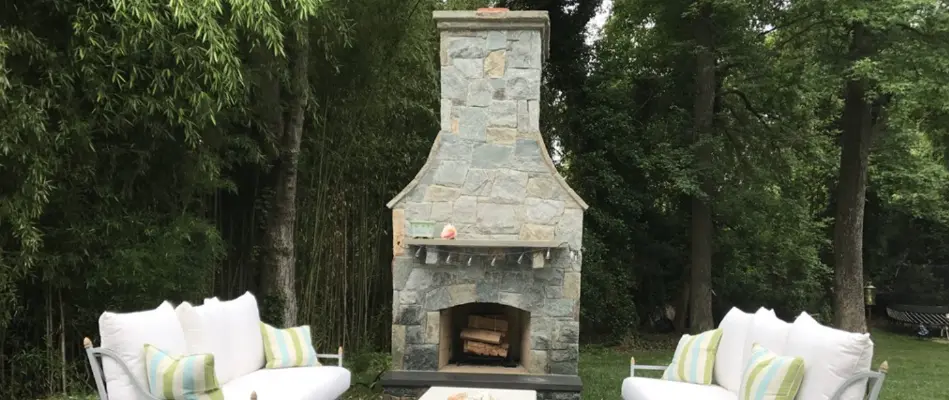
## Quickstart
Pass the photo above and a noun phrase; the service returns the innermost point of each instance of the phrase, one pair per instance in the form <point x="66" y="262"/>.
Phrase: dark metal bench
<point x="934" y="317"/>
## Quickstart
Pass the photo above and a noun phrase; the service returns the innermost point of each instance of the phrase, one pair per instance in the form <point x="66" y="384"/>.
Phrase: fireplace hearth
<point x="502" y="298"/>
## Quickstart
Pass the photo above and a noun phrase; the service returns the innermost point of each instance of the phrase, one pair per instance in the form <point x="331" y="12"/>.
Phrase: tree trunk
<point x="279" y="270"/>
<point x="856" y="127"/>
<point x="700" y="303"/>
<point x="682" y="305"/>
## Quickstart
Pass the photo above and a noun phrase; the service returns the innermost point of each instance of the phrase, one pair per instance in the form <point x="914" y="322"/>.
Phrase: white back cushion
<point x="831" y="356"/>
<point x="198" y="324"/>
<point x="767" y="330"/>
<point x="126" y="334"/>
<point x="237" y="325"/>
<point x="727" y="371"/>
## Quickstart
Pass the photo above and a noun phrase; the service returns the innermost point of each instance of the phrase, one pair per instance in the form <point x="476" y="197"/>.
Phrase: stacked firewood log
<point x="486" y="335"/>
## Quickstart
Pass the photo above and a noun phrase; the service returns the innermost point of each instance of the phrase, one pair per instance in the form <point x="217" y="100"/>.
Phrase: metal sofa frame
<point x="875" y="379"/>
<point x="94" y="354"/>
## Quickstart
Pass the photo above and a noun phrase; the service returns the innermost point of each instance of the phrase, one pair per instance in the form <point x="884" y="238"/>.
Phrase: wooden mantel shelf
<point x="549" y="244"/>
<point x="537" y="258"/>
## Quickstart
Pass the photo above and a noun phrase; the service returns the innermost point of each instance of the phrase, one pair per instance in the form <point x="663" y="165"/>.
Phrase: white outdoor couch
<point x="230" y="330"/>
<point x="837" y="363"/>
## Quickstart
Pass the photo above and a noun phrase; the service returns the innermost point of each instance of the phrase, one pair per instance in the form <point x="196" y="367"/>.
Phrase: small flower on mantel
<point x="448" y="232"/>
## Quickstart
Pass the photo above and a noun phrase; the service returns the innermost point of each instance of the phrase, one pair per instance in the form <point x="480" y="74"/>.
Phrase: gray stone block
<point x="563" y="368"/>
<point x="409" y="315"/>
<point x="478" y="182"/>
<point x="408" y="297"/>
<point x="450" y="173"/>
<point x="568" y="331"/>
<point x="437" y="299"/>
<point x="503" y="113"/>
<point x="469" y="68"/>
<point x="454" y="85"/>
<point x="422" y="357"/>
<point x="543" y="187"/>
<point x="402" y="268"/>
<point x="490" y="156"/>
<point x="479" y="93"/>
<point x="419" y="279"/>
<point x="472" y="123"/>
<point x="559" y="308"/>
<point x="523" y="119"/>
<point x="415" y="335"/>
<point x="497" y="218"/>
<point x="441" y="212"/>
<point x="510" y="187"/>
<point x="497" y="40"/>
<point x="463" y="210"/>
<point x="569" y="354"/>
<point x="452" y="147"/>
<point x="544" y="212"/>
<point x="467" y="47"/>
<point x="570" y="227"/>
<point x="523" y="84"/>
<point x="486" y="292"/>
<point x="525" y="50"/>
<point x="445" y="115"/>
<point x="499" y="89"/>
<point x="440" y="193"/>
<point x="534" y="116"/>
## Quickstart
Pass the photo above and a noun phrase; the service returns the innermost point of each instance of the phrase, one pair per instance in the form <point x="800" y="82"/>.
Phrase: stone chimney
<point x="491" y="72"/>
<point x="519" y="225"/>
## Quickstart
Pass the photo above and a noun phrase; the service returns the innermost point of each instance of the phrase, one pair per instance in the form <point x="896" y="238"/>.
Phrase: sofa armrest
<point x="94" y="354"/>
<point x="875" y="382"/>
<point x="338" y="356"/>
<point x="634" y="367"/>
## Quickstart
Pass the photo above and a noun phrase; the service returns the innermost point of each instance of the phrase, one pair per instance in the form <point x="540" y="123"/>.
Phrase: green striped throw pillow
<point x="181" y="377"/>
<point x="769" y="376"/>
<point x="291" y="347"/>
<point x="694" y="358"/>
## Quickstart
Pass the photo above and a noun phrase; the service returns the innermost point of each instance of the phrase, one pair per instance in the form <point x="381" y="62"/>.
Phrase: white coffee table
<point x="443" y="393"/>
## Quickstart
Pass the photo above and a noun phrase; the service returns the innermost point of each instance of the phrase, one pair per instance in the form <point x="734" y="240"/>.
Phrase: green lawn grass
<point x="917" y="368"/>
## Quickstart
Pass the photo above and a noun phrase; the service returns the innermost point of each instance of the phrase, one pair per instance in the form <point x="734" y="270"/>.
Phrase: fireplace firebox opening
<point x="484" y="337"/>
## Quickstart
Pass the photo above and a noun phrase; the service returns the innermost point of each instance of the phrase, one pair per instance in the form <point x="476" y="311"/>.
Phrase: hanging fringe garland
<point x="466" y="257"/>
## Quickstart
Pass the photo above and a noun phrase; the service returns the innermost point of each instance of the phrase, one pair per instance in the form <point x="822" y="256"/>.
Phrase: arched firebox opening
<point x="480" y="336"/>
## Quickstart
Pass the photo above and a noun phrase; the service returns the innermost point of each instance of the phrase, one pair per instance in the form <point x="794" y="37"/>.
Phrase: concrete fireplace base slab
<point x="411" y="385"/>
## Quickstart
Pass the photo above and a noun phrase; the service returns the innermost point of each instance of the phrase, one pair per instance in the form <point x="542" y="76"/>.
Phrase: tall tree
<point x="701" y="236"/>
<point x="285" y="124"/>
<point x="858" y="120"/>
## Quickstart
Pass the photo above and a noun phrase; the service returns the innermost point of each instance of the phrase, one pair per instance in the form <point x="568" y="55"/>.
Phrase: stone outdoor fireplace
<point x="503" y="297"/>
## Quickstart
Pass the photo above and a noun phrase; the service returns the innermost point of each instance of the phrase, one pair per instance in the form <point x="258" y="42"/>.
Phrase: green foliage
<point x="135" y="167"/>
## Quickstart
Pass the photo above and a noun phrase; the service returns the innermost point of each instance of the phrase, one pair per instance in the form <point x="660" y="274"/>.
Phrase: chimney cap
<point x="501" y="19"/>
<point x="491" y="10"/>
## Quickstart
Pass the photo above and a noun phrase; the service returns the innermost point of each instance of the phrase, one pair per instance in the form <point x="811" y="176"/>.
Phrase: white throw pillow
<point x="126" y="334"/>
<point x="237" y="325"/>
<point x="767" y="330"/>
<point x="831" y="356"/>
<point x="727" y="371"/>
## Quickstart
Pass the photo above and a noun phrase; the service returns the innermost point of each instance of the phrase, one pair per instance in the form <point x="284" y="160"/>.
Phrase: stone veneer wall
<point x="489" y="174"/>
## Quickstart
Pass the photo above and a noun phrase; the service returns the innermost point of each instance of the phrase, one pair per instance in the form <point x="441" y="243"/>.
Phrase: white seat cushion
<point x="301" y="383"/>
<point x="126" y="334"/>
<point x="831" y="356"/>
<point x="638" y="388"/>
<point x="236" y="324"/>
<point x="728" y="369"/>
